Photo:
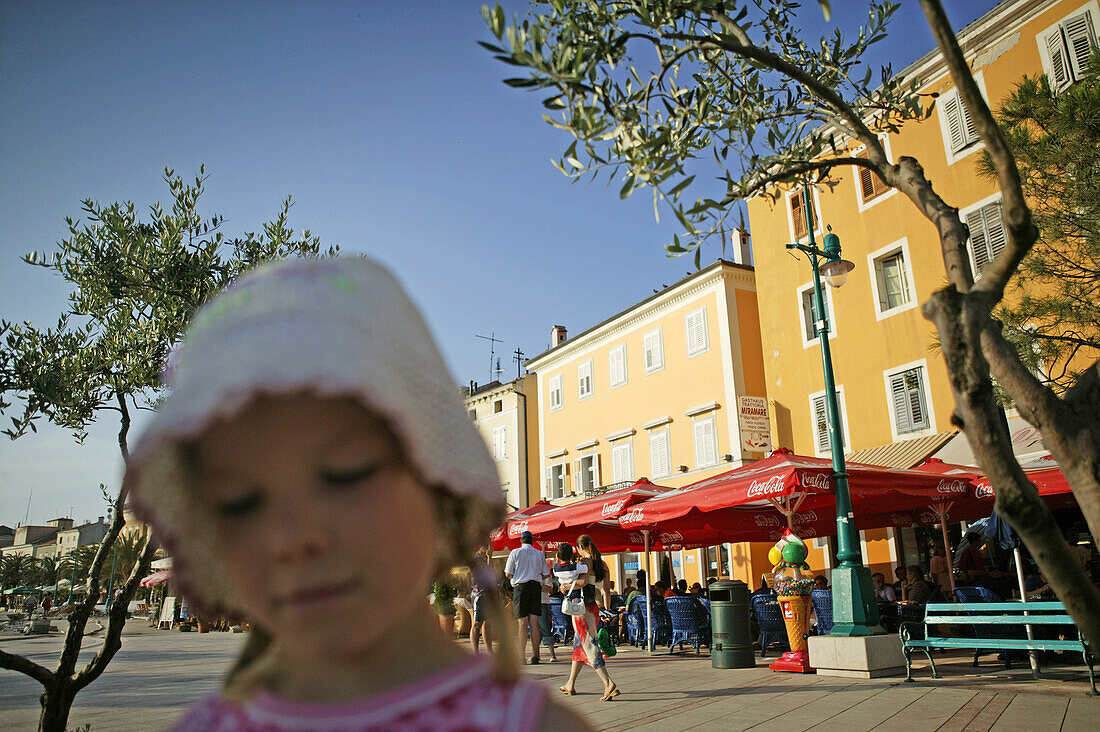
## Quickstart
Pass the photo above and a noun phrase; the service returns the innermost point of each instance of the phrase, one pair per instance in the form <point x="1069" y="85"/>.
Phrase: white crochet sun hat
<point x="334" y="327"/>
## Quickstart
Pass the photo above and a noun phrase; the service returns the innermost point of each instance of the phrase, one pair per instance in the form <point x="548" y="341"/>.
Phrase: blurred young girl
<point x="311" y="429"/>
<point x="583" y="574"/>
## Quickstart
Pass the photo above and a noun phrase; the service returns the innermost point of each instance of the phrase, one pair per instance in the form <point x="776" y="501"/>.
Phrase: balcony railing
<point x="600" y="490"/>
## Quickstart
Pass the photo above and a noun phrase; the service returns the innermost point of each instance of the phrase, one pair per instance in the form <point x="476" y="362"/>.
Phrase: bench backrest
<point x="996" y="613"/>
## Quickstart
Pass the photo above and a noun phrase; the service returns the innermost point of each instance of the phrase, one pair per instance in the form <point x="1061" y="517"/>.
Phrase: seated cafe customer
<point x="918" y="589"/>
<point x="883" y="591"/>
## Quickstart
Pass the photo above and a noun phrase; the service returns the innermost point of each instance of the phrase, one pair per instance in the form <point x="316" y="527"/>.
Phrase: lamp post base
<point x="855" y="609"/>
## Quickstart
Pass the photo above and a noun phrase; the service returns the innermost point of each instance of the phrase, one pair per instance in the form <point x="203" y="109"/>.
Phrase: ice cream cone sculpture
<point x="788" y="558"/>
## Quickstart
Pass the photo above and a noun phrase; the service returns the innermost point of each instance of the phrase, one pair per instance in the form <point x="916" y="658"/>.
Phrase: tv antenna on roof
<point x="517" y="356"/>
<point x="493" y="341"/>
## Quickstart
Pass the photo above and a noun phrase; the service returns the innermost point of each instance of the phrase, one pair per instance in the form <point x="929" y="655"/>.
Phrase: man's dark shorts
<point x="481" y="609"/>
<point x="527" y="599"/>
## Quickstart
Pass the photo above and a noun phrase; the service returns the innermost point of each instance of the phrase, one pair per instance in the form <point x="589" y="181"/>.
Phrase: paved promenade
<point x="157" y="675"/>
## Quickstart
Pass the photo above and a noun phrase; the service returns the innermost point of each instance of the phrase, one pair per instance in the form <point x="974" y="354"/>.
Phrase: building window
<point x="473" y="414"/>
<point x="622" y="461"/>
<point x="908" y="397"/>
<point x="498" y="406"/>
<point x="987" y="234"/>
<point x="822" y="445"/>
<point x="808" y="313"/>
<point x="555" y="390"/>
<point x="584" y="380"/>
<point x="695" y="327"/>
<point x="653" y="346"/>
<point x="555" y="480"/>
<point x="586" y="473"/>
<point x="500" y="443"/>
<point x="796" y="206"/>
<point x="961" y="133"/>
<point x="616" y="365"/>
<point x="660" y="458"/>
<point x="869" y="184"/>
<point x="891" y="278"/>
<point x="1065" y="49"/>
<point x="706" y="441"/>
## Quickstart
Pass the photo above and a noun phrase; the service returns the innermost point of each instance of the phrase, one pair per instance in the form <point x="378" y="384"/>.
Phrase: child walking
<point x="311" y="428"/>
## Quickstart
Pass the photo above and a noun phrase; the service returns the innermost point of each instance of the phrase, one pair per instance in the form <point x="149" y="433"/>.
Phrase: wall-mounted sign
<point x="756" y="429"/>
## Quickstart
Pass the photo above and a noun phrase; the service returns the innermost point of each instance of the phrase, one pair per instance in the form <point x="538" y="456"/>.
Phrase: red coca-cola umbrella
<point x="506" y="536"/>
<point x="794" y="486"/>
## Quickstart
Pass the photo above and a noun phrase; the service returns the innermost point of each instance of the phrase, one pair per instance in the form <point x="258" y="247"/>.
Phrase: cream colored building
<point x="503" y="414"/>
<point x="653" y="391"/>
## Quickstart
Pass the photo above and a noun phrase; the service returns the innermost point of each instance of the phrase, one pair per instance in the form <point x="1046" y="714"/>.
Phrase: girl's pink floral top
<point x="464" y="698"/>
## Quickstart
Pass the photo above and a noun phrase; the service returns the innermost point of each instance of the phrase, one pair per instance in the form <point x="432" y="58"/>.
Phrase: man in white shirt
<point x="526" y="569"/>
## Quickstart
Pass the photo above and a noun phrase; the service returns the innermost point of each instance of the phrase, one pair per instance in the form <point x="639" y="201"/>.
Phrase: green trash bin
<point x="731" y="634"/>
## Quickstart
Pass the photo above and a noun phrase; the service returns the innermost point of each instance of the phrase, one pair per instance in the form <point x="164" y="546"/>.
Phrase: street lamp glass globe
<point x="836" y="271"/>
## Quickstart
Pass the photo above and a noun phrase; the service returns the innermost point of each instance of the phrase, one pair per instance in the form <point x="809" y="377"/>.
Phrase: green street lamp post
<point x="855" y="610"/>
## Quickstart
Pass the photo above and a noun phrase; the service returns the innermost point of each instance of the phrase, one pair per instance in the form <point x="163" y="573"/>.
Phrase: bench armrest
<point x="903" y="629"/>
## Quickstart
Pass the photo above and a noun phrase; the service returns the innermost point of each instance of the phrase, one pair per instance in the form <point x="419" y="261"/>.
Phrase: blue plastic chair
<point x="982" y="594"/>
<point x="635" y="622"/>
<point x="560" y="623"/>
<point x="823" y="607"/>
<point x="690" y="623"/>
<point x="662" y="623"/>
<point x="773" y="631"/>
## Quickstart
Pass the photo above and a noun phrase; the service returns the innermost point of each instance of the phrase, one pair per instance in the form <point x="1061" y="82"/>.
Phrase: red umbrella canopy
<point x="605" y="507"/>
<point x="506" y="536"/>
<point x="1043" y="472"/>
<point x="789" y="483"/>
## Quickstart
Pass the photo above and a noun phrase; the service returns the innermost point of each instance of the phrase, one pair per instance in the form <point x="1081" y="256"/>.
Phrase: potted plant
<point x="443" y="599"/>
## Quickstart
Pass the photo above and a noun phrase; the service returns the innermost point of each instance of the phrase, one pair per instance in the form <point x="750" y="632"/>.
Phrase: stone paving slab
<point x="157" y="674"/>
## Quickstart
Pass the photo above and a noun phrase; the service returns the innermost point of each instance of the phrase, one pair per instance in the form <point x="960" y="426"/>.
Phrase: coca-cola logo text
<point x="951" y="486"/>
<point x="764" y="520"/>
<point x="670" y="537"/>
<point x="983" y="490"/>
<point x="817" y="481"/>
<point x="804" y="517"/>
<point x="610" y="508"/>
<point x="516" y="529"/>
<point x="769" y="487"/>
<point x="633" y="516"/>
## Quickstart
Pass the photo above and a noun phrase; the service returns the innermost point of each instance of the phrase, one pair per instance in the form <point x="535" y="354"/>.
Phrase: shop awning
<point x="157" y="578"/>
<point x="904" y="454"/>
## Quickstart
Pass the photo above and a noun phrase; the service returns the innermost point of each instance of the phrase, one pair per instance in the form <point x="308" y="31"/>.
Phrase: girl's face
<point x="317" y="519"/>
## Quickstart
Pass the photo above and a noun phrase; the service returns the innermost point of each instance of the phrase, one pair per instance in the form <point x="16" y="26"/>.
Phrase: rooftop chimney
<point x="557" y="335"/>
<point x="741" y="246"/>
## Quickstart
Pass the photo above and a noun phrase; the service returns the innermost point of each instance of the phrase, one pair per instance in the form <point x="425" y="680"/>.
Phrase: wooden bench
<point x="995" y="616"/>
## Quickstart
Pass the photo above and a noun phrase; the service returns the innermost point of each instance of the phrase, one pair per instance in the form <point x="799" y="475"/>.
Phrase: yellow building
<point x="653" y="392"/>
<point x="892" y="383"/>
<point x="505" y="416"/>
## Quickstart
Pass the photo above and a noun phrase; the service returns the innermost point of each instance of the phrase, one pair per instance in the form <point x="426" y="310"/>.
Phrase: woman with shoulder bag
<point x="585" y="574"/>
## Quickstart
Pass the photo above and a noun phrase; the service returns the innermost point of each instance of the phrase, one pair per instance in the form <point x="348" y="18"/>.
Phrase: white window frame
<point x="659" y="361"/>
<point x="790" y="218"/>
<point x="901" y="246"/>
<point x="584" y="372"/>
<point x="702" y="342"/>
<point x="618" y="448"/>
<point x="592" y="469"/>
<point x="1092" y="11"/>
<point x="864" y="205"/>
<point x="701" y="421"/>
<point x="500" y="443"/>
<point x="963" y="215"/>
<point x="554" y="385"/>
<point x="654" y="465"/>
<point x="621" y="351"/>
<point x="564" y="476"/>
<point x="945" y="132"/>
<point x="842" y="408"/>
<point x="926" y="388"/>
<point x="810" y="342"/>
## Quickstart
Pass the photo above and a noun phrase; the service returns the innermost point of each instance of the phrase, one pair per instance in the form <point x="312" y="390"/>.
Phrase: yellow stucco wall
<point x="866" y="345"/>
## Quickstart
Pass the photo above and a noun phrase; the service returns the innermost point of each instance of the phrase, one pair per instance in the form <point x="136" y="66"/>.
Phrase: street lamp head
<point x="836" y="271"/>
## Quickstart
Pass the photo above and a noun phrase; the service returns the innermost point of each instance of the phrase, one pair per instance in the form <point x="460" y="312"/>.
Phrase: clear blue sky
<point x="386" y="122"/>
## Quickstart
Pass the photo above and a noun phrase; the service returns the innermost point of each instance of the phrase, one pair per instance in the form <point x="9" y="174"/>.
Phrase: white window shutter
<point x="996" y="235"/>
<point x="952" y="111"/>
<point x="970" y="133"/>
<point x="902" y="419"/>
<point x="880" y="278"/>
<point x="596" y="470"/>
<point x="578" y="485"/>
<point x="648" y="345"/>
<point x="549" y="491"/>
<point x="689" y="332"/>
<point x="710" y="442"/>
<point x="659" y="453"/>
<point x="979" y="247"/>
<point x="1080" y="41"/>
<point x="821" y="424"/>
